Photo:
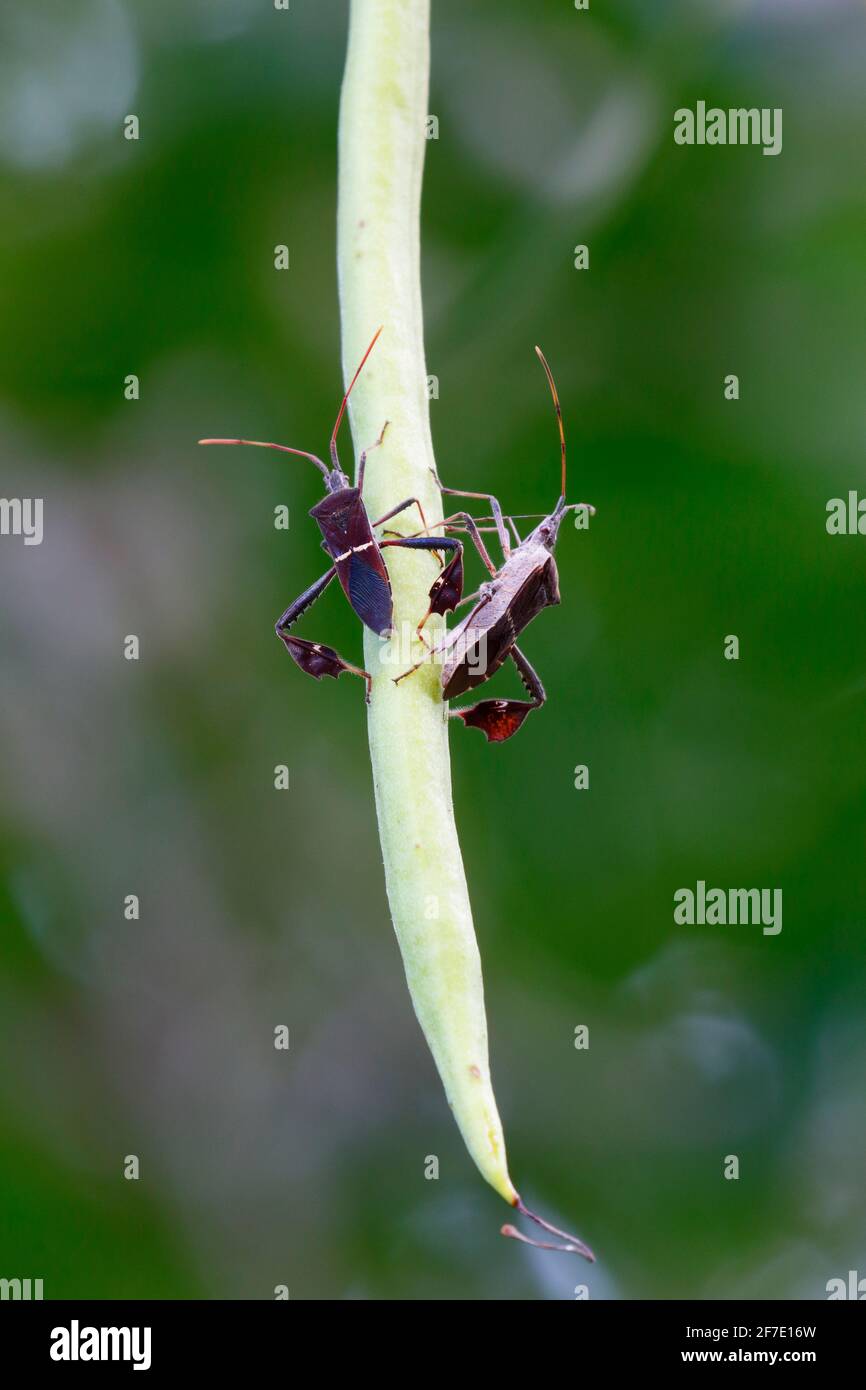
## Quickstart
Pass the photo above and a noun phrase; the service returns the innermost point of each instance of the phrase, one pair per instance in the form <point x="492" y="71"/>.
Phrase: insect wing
<point x="368" y="589"/>
<point x="539" y="590"/>
<point x="349" y="540"/>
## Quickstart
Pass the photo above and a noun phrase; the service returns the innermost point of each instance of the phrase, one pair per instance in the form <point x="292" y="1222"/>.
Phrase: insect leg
<point x="447" y="587"/>
<point x="362" y="461"/>
<point x="313" y="657"/>
<point x="449" y="637"/>
<point x="475" y="535"/>
<point x="459" y="521"/>
<point x="305" y="601"/>
<point x="500" y="719"/>
<point x="494" y="507"/>
<point x="401" y="507"/>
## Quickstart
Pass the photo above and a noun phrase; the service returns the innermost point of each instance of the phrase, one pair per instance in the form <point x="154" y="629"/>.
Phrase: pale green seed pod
<point x="383" y="115"/>
<point x="381" y="152"/>
<point x="382" y="122"/>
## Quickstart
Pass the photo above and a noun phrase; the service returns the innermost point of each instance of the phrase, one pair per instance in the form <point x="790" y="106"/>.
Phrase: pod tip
<point x="571" y="1245"/>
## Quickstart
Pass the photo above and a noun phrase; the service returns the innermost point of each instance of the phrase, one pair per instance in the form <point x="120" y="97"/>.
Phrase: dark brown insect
<point x="347" y="536"/>
<point x="527" y="582"/>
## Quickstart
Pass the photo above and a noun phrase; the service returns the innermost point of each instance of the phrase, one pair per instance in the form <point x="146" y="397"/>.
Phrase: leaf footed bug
<point x="504" y="605"/>
<point x="347" y="536"/>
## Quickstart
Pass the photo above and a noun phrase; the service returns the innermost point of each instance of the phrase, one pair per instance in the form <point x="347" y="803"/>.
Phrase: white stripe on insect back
<point x="354" y="551"/>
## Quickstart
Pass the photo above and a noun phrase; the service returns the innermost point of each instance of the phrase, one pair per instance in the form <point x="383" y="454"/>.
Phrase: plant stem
<point x="382" y="144"/>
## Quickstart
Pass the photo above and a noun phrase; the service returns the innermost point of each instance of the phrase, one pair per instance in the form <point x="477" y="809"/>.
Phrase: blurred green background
<point x="258" y="908"/>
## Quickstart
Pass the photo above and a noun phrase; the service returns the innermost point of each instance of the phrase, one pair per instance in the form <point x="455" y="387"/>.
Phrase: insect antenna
<point x="459" y="526"/>
<point x="284" y="448"/>
<point x="515" y="516"/>
<point x="334" y="456"/>
<point x="558" y="408"/>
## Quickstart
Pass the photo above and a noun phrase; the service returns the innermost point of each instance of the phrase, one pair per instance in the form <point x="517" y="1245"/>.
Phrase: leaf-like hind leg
<point x="314" y="657"/>
<point x="500" y="719"/>
<point x="447" y="588"/>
